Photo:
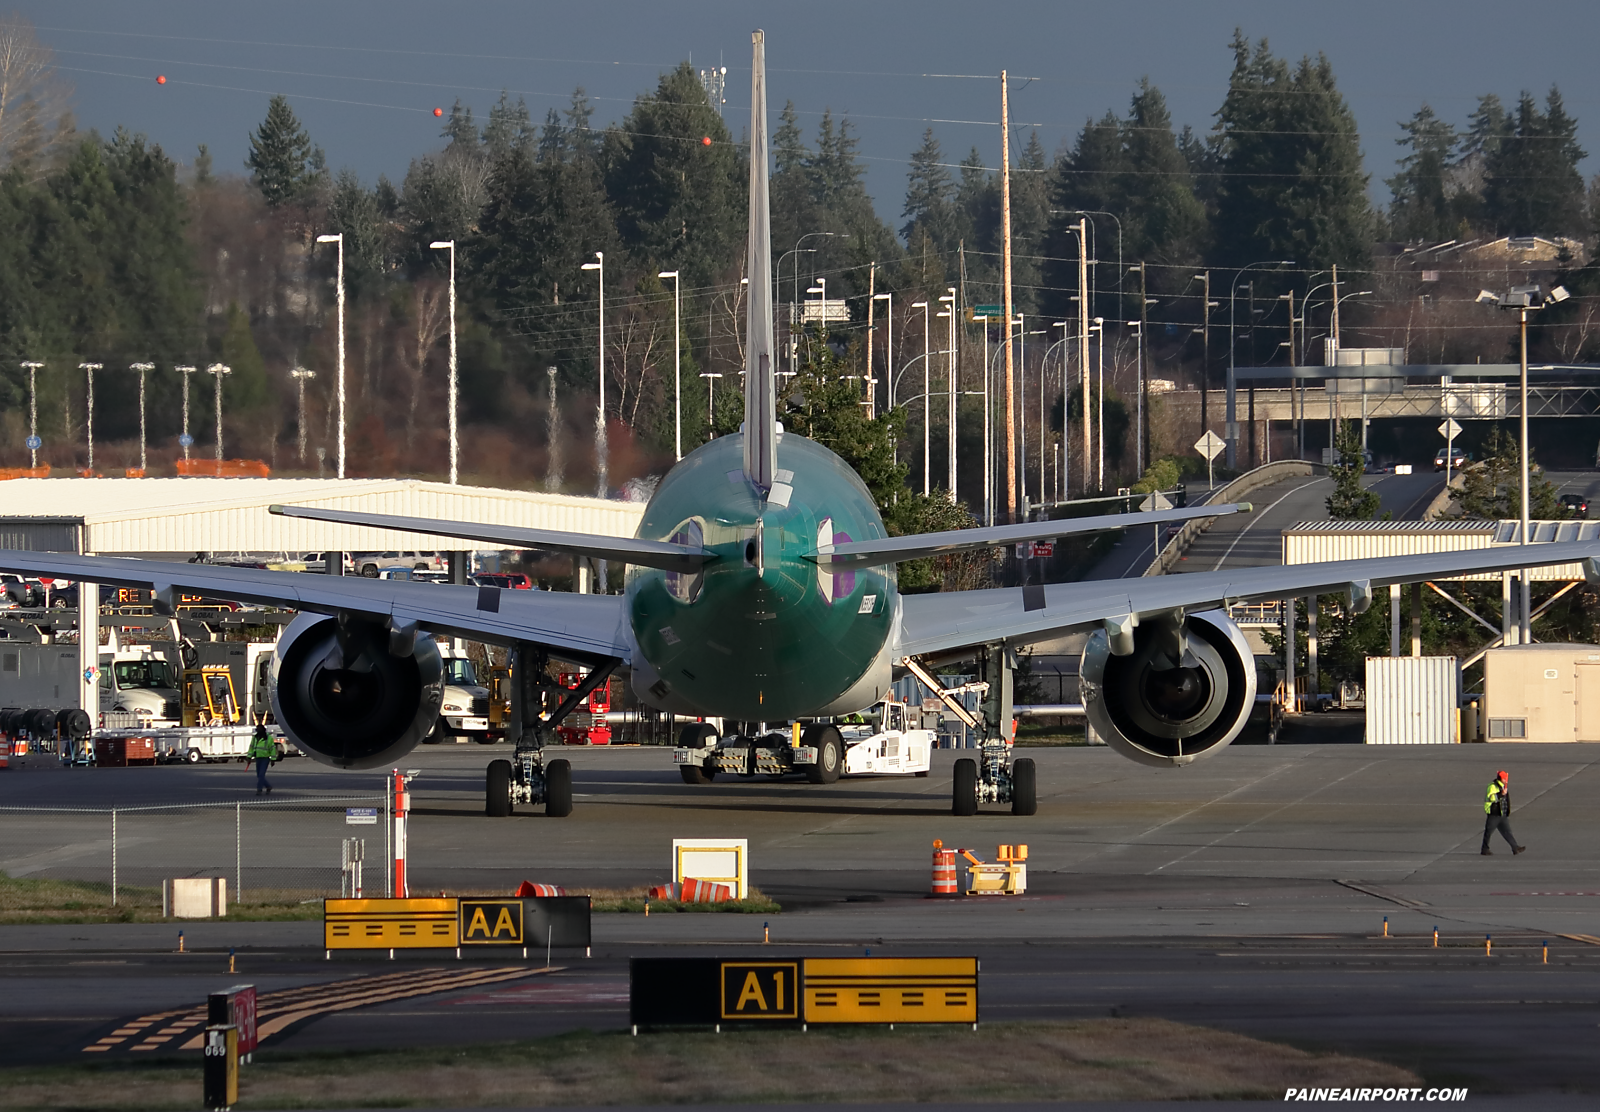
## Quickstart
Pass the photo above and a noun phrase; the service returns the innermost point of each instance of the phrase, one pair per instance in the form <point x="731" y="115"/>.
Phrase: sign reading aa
<point x="761" y="990"/>
<point x="491" y="923"/>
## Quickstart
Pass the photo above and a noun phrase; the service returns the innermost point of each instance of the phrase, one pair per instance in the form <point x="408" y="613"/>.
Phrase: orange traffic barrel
<point x="944" y="870"/>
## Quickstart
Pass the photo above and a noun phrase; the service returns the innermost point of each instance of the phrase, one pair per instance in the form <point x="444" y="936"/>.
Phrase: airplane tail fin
<point x="760" y="378"/>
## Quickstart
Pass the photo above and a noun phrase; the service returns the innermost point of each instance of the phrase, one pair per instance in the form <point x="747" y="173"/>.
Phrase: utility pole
<point x="1146" y="449"/>
<point x="677" y="362"/>
<point x="1083" y="345"/>
<point x="1205" y="352"/>
<point x="872" y="308"/>
<point x="950" y="296"/>
<point x="300" y="375"/>
<point x="888" y="351"/>
<point x="33" y="367"/>
<point x="141" y="368"/>
<point x="185" y="439"/>
<point x="217" y="370"/>
<point x="1005" y="226"/>
<point x="88" y="428"/>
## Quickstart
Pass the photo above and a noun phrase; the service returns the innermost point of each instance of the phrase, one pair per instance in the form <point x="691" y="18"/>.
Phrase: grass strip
<point x="1101" y="1059"/>
<point x="43" y="900"/>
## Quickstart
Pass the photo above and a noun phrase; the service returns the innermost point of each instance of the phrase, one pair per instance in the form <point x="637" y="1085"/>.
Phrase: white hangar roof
<point x="189" y="515"/>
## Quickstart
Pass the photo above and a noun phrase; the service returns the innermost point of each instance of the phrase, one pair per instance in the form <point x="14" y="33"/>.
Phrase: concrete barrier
<point x="1441" y="501"/>
<point x="1263" y="476"/>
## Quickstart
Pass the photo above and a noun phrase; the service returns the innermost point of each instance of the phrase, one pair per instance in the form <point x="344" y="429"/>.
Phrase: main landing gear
<point x="528" y="778"/>
<point x="993" y="776"/>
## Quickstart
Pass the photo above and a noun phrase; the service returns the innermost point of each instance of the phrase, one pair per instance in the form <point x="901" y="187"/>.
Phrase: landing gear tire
<point x="964" y="788"/>
<point x="497" y="790"/>
<point x="1024" y="788"/>
<point x="830" y="753"/>
<point x="558" y="789"/>
<point x="695" y="736"/>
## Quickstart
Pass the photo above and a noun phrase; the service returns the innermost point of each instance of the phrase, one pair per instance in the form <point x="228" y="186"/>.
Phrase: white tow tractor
<point x="876" y="742"/>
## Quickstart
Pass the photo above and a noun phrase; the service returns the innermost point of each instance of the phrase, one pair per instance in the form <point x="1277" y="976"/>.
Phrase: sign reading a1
<point x="186" y="441"/>
<point x="34" y="443"/>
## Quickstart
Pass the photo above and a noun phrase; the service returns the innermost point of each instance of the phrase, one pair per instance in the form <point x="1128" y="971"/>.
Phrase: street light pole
<point x="441" y="245"/>
<point x="677" y="363"/>
<point x="90" y="369"/>
<point x="1100" y="404"/>
<point x="184" y="439"/>
<point x="217" y="370"/>
<point x="300" y="375"/>
<point x="949" y="301"/>
<point x="888" y="347"/>
<point x="141" y="368"/>
<point x="1065" y="461"/>
<point x="33" y="366"/>
<point x="600" y="413"/>
<point x="337" y="237"/>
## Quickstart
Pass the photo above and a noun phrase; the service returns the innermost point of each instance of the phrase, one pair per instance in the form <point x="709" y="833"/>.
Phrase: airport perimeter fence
<point x="275" y="855"/>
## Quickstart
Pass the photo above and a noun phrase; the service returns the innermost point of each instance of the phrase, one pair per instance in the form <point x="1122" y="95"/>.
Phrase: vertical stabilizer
<point x="760" y="381"/>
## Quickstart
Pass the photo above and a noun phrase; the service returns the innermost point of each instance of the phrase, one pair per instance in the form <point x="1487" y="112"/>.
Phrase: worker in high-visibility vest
<point x="1497" y="813"/>
<point x="263" y="751"/>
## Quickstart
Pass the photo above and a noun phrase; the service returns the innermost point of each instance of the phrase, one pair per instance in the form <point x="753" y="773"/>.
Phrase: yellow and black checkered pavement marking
<point x="276" y="1011"/>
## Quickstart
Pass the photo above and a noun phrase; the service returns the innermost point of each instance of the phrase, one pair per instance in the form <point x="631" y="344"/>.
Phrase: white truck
<point x="464" y="712"/>
<point x="883" y="740"/>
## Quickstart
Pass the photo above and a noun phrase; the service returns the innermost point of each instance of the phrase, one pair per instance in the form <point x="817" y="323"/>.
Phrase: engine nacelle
<point x="1177" y="696"/>
<point x="356" y="704"/>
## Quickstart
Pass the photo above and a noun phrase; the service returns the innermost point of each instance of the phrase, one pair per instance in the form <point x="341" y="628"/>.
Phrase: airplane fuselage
<point x="761" y="633"/>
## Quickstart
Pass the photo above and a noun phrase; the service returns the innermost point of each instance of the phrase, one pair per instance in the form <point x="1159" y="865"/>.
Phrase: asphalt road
<point x="1254" y="539"/>
<point x="1247" y="891"/>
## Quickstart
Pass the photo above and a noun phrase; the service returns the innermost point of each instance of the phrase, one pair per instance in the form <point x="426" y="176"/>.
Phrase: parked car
<point x="414" y="576"/>
<point x="509" y="580"/>
<point x="22" y="591"/>
<point x="371" y="563"/>
<point x="1577" y="503"/>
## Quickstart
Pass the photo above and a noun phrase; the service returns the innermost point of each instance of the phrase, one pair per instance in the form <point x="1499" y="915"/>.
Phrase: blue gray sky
<point x="365" y="75"/>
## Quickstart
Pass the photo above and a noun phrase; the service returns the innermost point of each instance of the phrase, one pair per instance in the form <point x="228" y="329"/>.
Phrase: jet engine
<point x="353" y="693"/>
<point x="1171" y="689"/>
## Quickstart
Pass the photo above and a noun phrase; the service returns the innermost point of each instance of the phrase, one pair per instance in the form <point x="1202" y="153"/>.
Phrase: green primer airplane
<point x="761" y="591"/>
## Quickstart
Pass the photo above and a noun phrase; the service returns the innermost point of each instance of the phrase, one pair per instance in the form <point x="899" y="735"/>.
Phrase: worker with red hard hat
<point x="1497" y="813"/>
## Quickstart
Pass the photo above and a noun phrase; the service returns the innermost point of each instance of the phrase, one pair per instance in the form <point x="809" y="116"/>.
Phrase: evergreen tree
<point x="678" y="201"/>
<point x="1350" y="501"/>
<point x="1531" y="181"/>
<point x="1292" y="185"/>
<point x="284" y="163"/>
<point x="1165" y="222"/>
<point x="583" y="141"/>
<point x="1492" y="488"/>
<point x="1421" y="209"/>
<point x="509" y="128"/>
<point x="247" y="391"/>
<point x="928" y="196"/>
<point x="355" y="212"/>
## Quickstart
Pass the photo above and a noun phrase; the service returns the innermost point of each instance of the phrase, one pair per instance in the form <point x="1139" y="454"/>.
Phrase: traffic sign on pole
<point x="1154" y="502"/>
<point x="1210" y="445"/>
<point x="1449" y="429"/>
<point x="34" y="443"/>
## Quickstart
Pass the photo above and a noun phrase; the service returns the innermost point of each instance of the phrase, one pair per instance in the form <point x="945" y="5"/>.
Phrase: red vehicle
<point x="509" y="580"/>
<point x="587" y="724"/>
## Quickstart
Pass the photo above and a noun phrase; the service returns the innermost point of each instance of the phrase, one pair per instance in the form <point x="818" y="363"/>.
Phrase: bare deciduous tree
<point x="32" y="96"/>
<point x="429" y="322"/>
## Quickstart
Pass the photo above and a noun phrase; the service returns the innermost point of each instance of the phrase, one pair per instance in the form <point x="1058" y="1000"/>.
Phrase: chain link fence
<point x="275" y="855"/>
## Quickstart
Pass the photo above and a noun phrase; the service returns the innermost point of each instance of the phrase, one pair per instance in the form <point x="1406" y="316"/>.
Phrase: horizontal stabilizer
<point x="649" y="554"/>
<point x="894" y="550"/>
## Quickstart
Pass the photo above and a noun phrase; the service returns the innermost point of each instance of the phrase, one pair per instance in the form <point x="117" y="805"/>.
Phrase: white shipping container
<point x="1413" y="700"/>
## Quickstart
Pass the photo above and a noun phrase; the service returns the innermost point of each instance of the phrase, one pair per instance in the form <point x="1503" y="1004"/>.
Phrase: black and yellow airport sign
<point x="667" y="992"/>
<point x="761" y="990"/>
<point x="492" y="923"/>
<point x="390" y="924"/>
<point x="891" y="990"/>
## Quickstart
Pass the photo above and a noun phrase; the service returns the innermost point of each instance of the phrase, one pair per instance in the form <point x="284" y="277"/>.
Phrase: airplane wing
<point x="893" y="550"/>
<point x="952" y="620"/>
<point x="650" y="554"/>
<point x="584" y="628"/>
